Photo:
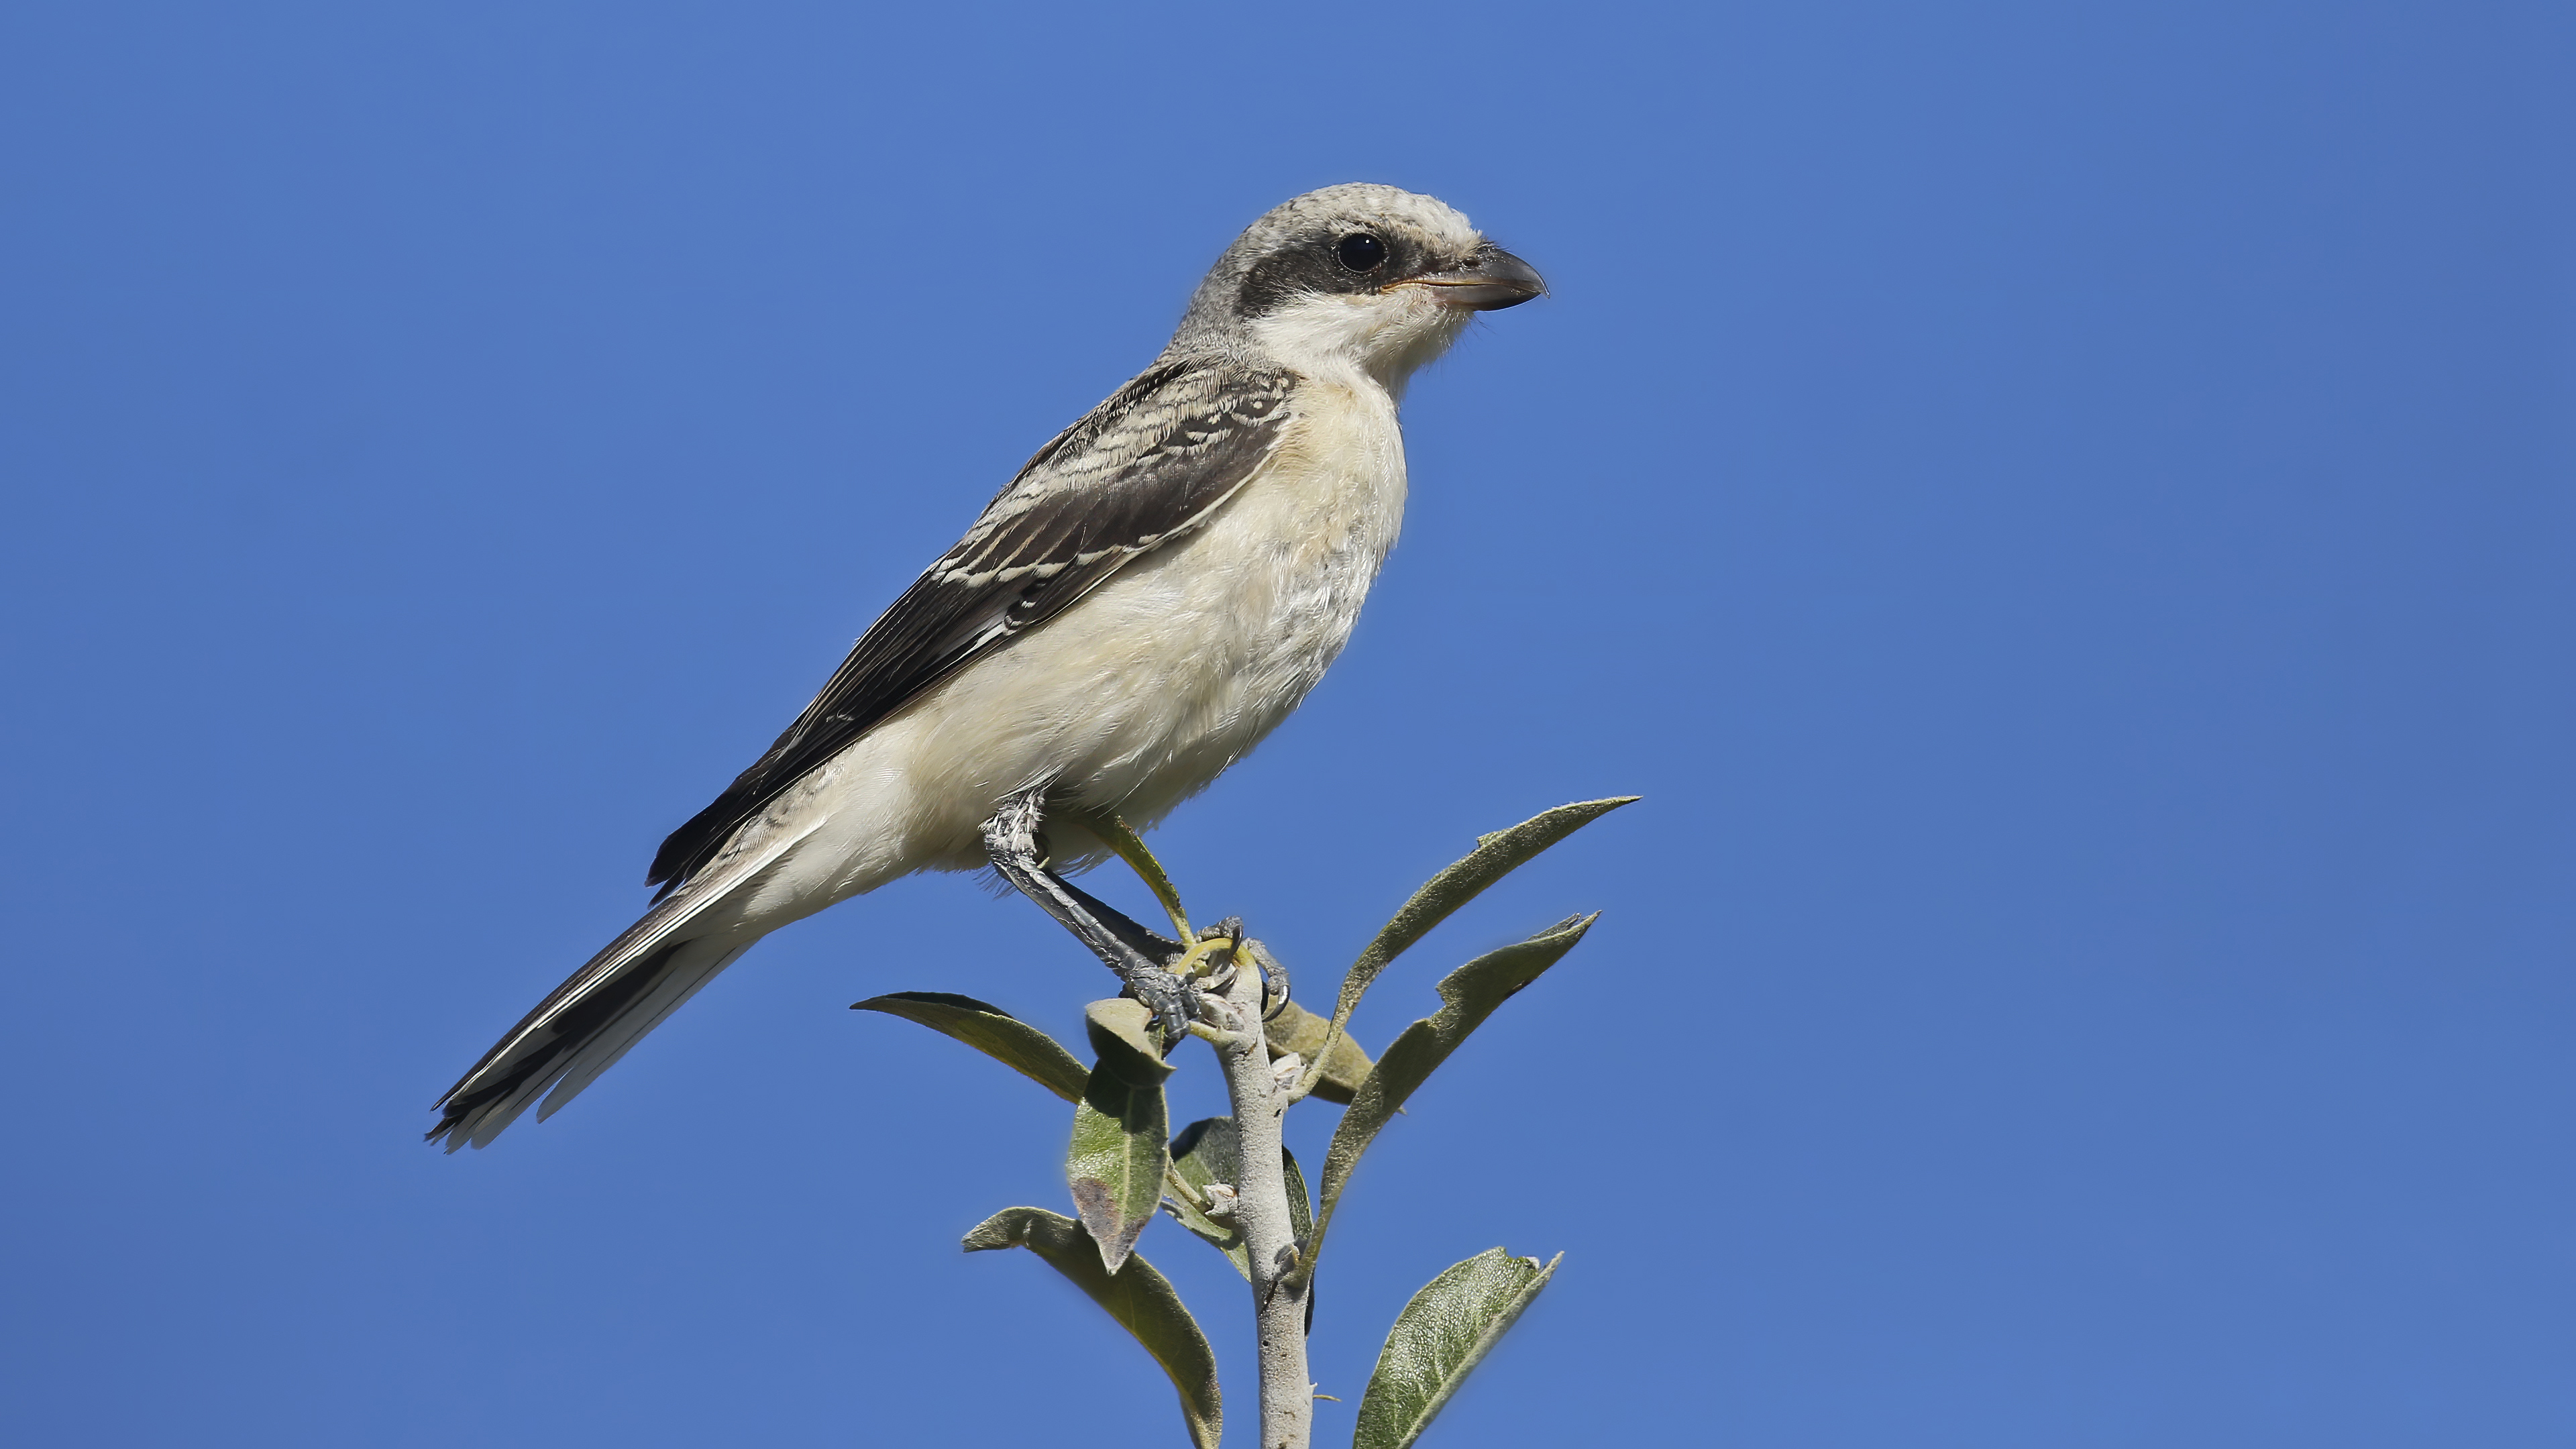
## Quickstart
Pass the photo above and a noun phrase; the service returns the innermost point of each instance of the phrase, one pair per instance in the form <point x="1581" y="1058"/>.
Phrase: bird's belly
<point x="1208" y="653"/>
<point x="1137" y="696"/>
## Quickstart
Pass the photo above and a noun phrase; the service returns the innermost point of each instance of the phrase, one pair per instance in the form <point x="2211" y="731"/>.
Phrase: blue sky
<point x="2064" y="512"/>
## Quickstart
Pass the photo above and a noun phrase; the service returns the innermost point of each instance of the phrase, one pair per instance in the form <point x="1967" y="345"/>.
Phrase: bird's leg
<point x="1136" y="954"/>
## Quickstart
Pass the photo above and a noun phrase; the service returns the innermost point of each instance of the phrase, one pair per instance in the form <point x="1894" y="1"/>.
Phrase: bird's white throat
<point x="1383" y="337"/>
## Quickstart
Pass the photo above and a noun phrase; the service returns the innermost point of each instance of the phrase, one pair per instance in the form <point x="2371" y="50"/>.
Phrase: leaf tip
<point x="1097" y="1208"/>
<point x="1582" y="812"/>
<point x="1003" y="1229"/>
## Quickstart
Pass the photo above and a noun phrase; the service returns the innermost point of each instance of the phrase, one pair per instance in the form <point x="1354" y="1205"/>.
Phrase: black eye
<point x="1361" y="252"/>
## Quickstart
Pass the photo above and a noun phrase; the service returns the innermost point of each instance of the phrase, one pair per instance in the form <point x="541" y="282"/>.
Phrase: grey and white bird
<point x="1153" y="593"/>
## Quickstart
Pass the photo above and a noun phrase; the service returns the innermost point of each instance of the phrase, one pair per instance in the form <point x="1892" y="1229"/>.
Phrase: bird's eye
<point x="1361" y="252"/>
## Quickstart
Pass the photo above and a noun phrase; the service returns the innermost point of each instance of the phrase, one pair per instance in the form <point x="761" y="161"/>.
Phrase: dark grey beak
<point x="1491" y="280"/>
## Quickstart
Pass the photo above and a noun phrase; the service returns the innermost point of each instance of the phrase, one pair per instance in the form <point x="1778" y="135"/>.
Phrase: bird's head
<point x="1359" y="278"/>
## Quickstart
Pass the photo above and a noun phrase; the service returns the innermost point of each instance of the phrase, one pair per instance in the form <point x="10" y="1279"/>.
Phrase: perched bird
<point x="1150" y="596"/>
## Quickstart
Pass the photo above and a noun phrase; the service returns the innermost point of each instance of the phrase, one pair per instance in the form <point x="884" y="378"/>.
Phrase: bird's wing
<point x="1146" y="466"/>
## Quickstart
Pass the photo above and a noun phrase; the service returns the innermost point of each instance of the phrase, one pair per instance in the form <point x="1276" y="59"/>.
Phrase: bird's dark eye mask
<point x="1351" y="259"/>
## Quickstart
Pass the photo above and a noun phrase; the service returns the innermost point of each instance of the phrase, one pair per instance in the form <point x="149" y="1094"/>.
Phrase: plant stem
<point x="1261" y="1215"/>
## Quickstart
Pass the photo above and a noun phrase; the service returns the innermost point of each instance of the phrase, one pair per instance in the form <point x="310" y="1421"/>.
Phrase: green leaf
<point x="1123" y="1033"/>
<point x="1205" y="1152"/>
<point x="1140" y="1298"/>
<point x="1115" y="1163"/>
<point x="1469" y="995"/>
<point x="1438" y="1339"/>
<point x="1301" y="1201"/>
<point x="1494" y="857"/>
<point x="1209" y="1150"/>
<point x="1119" y="836"/>
<point x="990" y="1030"/>
<point x="1298" y="1030"/>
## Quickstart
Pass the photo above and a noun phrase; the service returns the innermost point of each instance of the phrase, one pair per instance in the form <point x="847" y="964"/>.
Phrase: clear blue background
<point x="2063" y="511"/>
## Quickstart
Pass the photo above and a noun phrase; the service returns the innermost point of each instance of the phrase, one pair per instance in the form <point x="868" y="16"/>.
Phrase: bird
<point x="1151" y="594"/>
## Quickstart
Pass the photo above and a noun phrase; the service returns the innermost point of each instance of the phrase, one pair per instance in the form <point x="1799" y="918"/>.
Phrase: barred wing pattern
<point x="1149" y="464"/>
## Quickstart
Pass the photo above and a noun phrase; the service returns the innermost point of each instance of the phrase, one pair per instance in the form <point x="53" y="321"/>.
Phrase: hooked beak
<point x="1491" y="280"/>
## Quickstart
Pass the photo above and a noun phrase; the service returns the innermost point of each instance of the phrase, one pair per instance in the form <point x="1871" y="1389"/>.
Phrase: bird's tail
<point x="623" y="992"/>
<point x="578" y="1032"/>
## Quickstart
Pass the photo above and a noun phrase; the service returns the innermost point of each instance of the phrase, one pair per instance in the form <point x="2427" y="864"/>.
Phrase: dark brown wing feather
<point x="1149" y="464"/>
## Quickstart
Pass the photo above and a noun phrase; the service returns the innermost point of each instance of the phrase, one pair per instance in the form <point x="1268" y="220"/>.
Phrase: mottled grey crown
<point x="1292" y="252"/>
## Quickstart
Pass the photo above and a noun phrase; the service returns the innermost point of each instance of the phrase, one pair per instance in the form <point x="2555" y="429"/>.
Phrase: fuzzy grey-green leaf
<point x="1118" y="835"/>
<point x="1468" y="995"/>
<point x="990" y="1030"/>
<point x="1301" y="1200"/>
<point x="1206" y="1151"/>
<point x="1496" y="855"/>
<point x="1140" y="1298"/>
<point x="1120" y="1038"/>
<point x="1295" y="1029"/>
<point x="1439" y="1338"/>
<point x="1114" y="1165"/>
<point x="1209" y="1150"/>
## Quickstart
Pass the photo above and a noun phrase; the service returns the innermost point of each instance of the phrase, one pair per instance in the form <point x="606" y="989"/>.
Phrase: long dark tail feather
<point x="543" y="1060"/>
<point x="574" y="1035"/>
<point x="602" y="1010"/>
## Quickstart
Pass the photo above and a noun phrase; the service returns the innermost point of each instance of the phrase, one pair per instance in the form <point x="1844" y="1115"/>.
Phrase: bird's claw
<point x="1274" y="979"/>
<point x="1174" y="1000"/>
<point x="1179" y="991"/>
